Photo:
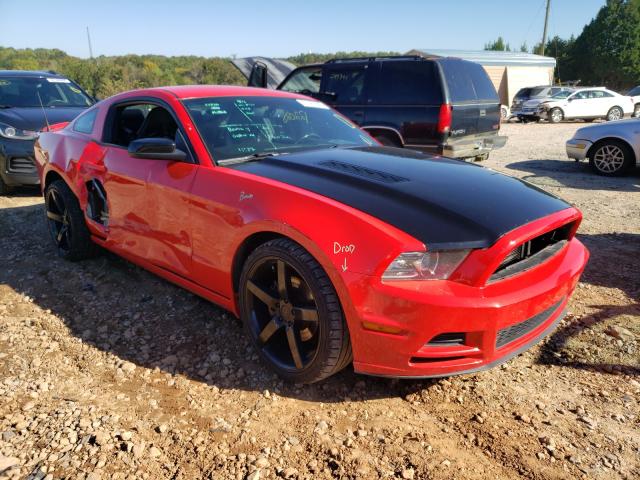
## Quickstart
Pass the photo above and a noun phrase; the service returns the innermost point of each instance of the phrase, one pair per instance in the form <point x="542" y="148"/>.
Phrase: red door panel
<point x="169" y="215"/>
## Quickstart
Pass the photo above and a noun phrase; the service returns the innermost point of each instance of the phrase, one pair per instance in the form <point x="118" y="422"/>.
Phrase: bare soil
<point x="107" y="371"/>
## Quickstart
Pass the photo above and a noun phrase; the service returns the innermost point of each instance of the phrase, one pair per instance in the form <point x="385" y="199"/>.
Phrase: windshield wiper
<point x="249" y="158"/>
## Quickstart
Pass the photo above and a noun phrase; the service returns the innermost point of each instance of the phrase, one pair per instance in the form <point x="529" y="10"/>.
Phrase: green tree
<point x="498" y="45"/>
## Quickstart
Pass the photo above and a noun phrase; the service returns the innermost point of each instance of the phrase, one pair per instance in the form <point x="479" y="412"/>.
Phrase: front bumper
<point x="17" y="163"/>
<point x="496" y="321"/>
<point x="577" y="149"/>
<point x="473" y="146"/>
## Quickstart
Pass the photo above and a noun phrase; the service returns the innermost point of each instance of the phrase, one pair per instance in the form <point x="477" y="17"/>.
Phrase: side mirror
<point x="156" y="149"/>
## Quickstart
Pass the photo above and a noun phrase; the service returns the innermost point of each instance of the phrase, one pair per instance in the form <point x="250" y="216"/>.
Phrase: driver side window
<point x="141" y="120"/>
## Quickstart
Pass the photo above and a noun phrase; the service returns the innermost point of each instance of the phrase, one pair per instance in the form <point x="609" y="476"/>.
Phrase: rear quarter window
<point x="467" y="81"/>
<point x="412" y="83"/>
<point x="85" y="122"/>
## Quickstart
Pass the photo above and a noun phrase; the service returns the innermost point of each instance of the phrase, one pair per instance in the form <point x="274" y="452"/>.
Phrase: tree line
<point x="607" y="51"/>
<point x="105" y="76"/>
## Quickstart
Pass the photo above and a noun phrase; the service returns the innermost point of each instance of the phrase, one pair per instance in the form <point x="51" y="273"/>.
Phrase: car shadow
<point x="572" y="174"/>
<point x="140" y="318"/>
<point x="614" y="263"/>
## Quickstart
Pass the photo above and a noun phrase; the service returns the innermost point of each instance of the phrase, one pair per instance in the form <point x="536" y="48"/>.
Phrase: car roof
<point x="31" y="73"/>
<point x="203" y="91"/>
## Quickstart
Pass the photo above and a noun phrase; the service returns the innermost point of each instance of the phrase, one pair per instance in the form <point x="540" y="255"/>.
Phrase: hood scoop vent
<point x="365" y="172"/>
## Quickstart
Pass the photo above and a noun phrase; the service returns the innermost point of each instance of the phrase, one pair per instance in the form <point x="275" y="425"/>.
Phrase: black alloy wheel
<point x="66" y="224"/>
<point x="292" y="314"/>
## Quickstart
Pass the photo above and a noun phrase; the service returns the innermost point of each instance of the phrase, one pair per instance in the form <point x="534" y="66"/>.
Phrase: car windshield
<point x="51" y="91"/>
<point x="563" y="94"/>
<point x="239" y="128"/>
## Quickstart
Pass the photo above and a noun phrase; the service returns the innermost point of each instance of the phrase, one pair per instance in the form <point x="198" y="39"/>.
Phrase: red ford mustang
<point x="329" y="247"/>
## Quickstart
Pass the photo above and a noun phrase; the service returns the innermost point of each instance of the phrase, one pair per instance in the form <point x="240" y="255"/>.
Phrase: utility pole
<point x="91" y="50"/>
<point x="546" y="24"/>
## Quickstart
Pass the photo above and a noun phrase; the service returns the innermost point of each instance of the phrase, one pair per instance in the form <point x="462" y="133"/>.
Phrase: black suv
<point x="438" y="105"/>
<point x="28" y="100"/>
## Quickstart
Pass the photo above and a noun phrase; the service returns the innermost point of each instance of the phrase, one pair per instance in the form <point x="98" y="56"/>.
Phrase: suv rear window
<point x="467" y="81"/>
<point x="419" y="84"/>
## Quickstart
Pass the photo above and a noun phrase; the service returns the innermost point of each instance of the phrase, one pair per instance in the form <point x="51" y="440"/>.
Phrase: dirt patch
<point x="109" y="372"/>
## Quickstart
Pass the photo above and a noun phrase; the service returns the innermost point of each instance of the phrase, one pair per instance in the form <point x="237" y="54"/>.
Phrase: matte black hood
<point x="32" y="118"/>
<point x="442" y="202"/>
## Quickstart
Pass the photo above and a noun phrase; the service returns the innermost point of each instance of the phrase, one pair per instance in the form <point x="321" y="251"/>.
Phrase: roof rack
<point x="372" y="59"/>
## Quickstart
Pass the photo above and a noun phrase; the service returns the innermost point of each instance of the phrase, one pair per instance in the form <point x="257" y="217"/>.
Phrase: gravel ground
<point x="109" y="372"/>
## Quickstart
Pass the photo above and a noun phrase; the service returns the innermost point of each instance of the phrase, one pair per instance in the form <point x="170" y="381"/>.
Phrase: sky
<point x="282" y="28"/>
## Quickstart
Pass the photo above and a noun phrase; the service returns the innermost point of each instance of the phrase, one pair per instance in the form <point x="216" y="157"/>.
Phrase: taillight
<point x="444" y="118"/>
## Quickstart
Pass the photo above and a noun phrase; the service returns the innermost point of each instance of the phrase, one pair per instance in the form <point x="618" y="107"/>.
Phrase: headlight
<point x="425" y="265"/>
<point x="7" y="131"/>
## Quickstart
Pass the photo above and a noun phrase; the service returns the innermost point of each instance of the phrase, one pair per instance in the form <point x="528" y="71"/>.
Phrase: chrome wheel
<point x="614" y="114"/>
<point x="58" y="220"/>
<point x="609" y="159"/>
<point x="556" y="115"/>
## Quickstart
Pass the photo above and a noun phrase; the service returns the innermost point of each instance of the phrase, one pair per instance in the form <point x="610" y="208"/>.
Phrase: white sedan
<point x="587" y="104"/>
<point x="612" y="148"/>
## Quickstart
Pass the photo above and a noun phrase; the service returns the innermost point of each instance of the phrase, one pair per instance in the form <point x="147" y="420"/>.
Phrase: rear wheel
<point x="611" y="158"/>
<point x="615" y="113"/>
<point x="292" y="314"/>
<point x="504" y="113"/>
<point x="636" y="110"/>
<point x="65" y="222"/>
<point x="556" y="115"/>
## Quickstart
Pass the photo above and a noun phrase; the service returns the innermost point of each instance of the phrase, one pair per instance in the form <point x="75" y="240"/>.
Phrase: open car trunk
<point x="263" y="72"/>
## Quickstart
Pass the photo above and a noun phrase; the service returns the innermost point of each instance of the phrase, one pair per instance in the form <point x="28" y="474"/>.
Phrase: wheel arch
<point x="50" y="177"/>
<point x="261" y="234"/>
<point x="604" y="140"/>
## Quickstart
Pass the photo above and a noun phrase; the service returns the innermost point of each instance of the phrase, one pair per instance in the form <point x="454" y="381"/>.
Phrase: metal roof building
<point x="509" y="71"/>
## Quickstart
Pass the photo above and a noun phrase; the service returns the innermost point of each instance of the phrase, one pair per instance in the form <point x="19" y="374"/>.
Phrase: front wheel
<point x="556" y="115"/>
<point x="636" y="110"/>
<point x="615" y="113"/>
<point x="292" y="314"/>
<point x="66" y="224"/>
<point x="611" y="158"/>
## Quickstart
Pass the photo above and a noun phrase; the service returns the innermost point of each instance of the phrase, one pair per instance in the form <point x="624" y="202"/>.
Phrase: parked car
<point x="588" y="104"/>
<point x="28" y="100"/>
<point x="635" y="94"/>
<point x="526" y="101"/>
<point x="611" y="148"/>
<point x="328" y="246"/>
<point x="444" y="105"/>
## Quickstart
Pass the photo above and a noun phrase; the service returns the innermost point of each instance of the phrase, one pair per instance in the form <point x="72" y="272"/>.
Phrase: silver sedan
<point x="612" y="148"/>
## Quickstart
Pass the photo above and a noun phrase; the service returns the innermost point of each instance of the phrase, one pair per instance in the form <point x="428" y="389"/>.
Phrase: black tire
<point x="4" y="188"/>
<point x="615" y="113"/>
<point x="636" y="110"/>
<point x="555" y="115"/>
<point x="388" y="141"/>
<point x="611" y="158"/>
<point x="65" y="222"/>
<point x="504" y="113"/>
<point x="301" y="313"/>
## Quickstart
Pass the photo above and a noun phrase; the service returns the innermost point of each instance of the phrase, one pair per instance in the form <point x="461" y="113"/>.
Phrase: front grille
<point x="514" y="332"/>
<point x="533" y="252"/>
<point x="21" y="165"/>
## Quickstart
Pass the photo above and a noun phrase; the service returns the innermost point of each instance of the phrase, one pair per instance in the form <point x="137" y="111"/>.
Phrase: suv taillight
<point x="444" y="118"/>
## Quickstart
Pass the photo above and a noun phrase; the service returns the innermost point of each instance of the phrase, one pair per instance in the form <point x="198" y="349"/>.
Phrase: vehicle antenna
<point x="44" y="112"/>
